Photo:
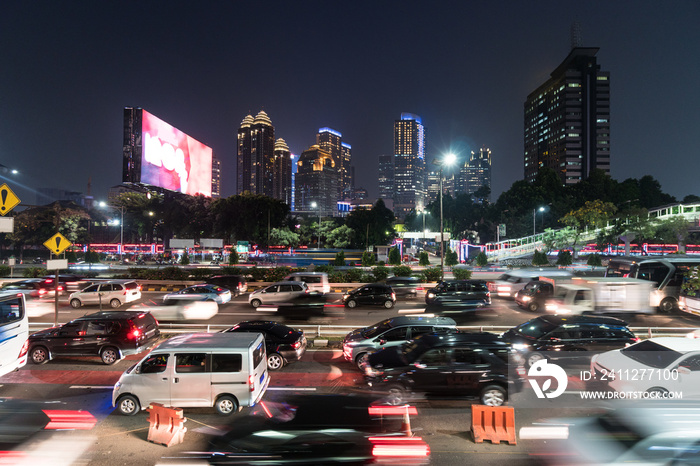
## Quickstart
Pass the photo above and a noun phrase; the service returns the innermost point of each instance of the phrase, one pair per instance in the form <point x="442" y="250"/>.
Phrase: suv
<point x="461" y="364"/>
<point x="391" y="332"/>
<point x="280" y="292"/>
<point x="533" y="296"/>
<point x="556" y="337"/>
<point x="236" y="283"/>
<point x="375" y="294"/>
<point x="114" y="292"/>
<point x="316" y="281"/>
<point x="108" y="334"/>
<point x="283" y="344"/>
<point x="406" y="287"/>
<point x="470" y="293"/>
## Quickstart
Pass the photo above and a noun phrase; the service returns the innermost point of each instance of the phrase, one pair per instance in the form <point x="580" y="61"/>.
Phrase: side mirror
<point x="382" y="341"/>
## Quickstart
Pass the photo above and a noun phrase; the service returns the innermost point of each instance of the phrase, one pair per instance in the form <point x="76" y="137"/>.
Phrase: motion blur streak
<point x="60" y="419"/>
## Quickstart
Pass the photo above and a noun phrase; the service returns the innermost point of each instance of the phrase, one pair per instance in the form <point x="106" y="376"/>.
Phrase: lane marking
<point x="299" y="389"/>
<point x="99" y="387"/>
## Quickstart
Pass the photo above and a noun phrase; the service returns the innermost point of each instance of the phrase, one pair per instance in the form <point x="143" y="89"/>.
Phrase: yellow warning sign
<point x="57" y="243"/>
<point x="8" y="199"/>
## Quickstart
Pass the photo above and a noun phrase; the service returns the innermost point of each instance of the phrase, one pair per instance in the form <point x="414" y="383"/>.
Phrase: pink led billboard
<point x="173" y="160"/>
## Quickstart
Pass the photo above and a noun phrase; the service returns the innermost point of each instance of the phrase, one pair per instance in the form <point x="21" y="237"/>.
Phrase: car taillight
<point x="393" y="296"/>
<point x="420" y="288"/>
<point x="307" y="290"/>
<point x="24" y="349"/>
<point x="60" y="288"/>
<point x="251" y="383"/>
<point x="134" y="333"/>
<point x="296" y="345"/>
<point x="42" y="292"/>
<point x="407" y="447"/>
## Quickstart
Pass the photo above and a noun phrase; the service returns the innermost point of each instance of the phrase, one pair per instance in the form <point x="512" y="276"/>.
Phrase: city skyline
<point x="466" y="68"/>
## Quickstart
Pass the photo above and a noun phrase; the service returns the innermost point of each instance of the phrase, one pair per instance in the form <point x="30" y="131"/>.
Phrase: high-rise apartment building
<point x="386" y="176"/>
<point x="475" y="173"/>
<point x="256" y="145"/>
<point x="316" y="181"/>
<point x="567" y="120"/>
<point x="282" y="172"/>
<point x="215" y="177"/>
<point x="331" y="141"/>
<point x="409" y="165"/>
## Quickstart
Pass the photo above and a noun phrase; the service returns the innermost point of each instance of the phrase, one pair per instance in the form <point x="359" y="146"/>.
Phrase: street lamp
<point x="104" y="205"/>
<point x="313" y="206"/>
<point x="447" y="160"/>
<point x="534" y="211"/>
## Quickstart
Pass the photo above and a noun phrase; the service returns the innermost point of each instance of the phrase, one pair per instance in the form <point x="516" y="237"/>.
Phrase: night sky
<point x="69" y="68"/>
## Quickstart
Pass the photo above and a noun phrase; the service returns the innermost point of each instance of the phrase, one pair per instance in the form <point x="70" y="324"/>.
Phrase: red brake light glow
<point x="60" y="419"/>
<point x="251" y="383"/>
<point x="296" y="345"/>
<point x="413" y="447"/>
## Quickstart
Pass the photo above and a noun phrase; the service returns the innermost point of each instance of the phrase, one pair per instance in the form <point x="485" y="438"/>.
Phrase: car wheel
<point x="493" y="395"/>
<point x="351" y="303"/>
<point x="109" y="355"/>
<point x="533" y="358"/>
<point x="657" y="392"/>
<point x="388" y="304"/>
<point x="667" y="305"/>
<point x="361" y="359"/>
<point x="395" y="395"/>
<point x="75" y="303"/>
<point x="226" y="405"/>
<point x="115" y="303"/>
<point x="533" y="306"/>
<point x="39" y="355"/>
<point x="255" y="303"/>
<point x="128" y="405"/>
<point x="275" y="361"/>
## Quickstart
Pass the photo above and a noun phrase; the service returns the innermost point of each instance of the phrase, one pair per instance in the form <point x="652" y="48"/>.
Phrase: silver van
<point x="316" y="281"/>
<point x="508" y="284"/>
<point x="223" y="370"/>
<point x="391" y="332"/>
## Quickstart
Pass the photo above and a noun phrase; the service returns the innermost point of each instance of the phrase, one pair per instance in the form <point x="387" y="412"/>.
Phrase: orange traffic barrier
<point x="494" y="423"/>
<point x="166" y="425"/>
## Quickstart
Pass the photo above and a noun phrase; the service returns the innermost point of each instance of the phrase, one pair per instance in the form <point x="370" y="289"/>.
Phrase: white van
<point x="316" y="281"/>
<point x="508" y="284"/>
<point x="224" y="370"/>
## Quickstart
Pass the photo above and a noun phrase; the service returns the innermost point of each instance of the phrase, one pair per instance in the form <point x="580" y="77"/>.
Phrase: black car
<point x="282" y="344"/>
<point x="405" y="287"/>
<point x="533" y="295"/>
<point x="374" y="294"/>
<point x="459" y="294"/>
<point x="454" y="364"/>
<point x="558" y="337"/>
<point x="236" y="283"/>
<point x="111" y="335"/>
<point x="318" y="429"/>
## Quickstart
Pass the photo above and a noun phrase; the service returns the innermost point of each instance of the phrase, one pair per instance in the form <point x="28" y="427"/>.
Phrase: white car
<point x="184" y="311"/>
<point x="113" y="293"/>
<point x="657" y="366"/>
<point x="280" y="292"/>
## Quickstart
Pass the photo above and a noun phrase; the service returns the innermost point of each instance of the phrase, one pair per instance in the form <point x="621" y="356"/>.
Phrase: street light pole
<point x="313" y="205"/>
<point x="442" y="234"/>
<point x="121" y="235"/>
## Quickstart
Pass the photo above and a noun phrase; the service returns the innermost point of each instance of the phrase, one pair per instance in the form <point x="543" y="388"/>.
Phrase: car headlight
<point x="526" y="299"/>
<point x="372" y="372"/>
<point x="346" y="296"/>
<point x="521" y="346"/>
<point x="431" y="295"/>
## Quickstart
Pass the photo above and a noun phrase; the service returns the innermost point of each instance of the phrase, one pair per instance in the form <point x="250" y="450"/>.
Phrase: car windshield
<point x="651" y="354"/>
<point x="535" y="328"/>
<point x="377" y="329"/>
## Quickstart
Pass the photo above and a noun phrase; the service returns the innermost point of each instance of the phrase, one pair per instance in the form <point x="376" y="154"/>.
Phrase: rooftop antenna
<point x="576" y="40"/>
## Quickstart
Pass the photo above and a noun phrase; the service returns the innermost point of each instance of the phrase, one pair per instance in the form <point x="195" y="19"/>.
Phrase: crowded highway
<point x="326" y="365"/>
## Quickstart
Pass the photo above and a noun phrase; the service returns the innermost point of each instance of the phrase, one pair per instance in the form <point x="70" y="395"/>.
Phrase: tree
<point x="674" y="230"/>
<point x="340" y="237"/>
<point x="339" y="260"/>
<point x="451" y="258"/>
<point x="394" y="256"/>
<point x="593" y="214"/>
<point x="368" y="259"/>
<point x="691" y="283"/>
<point x="594" y="260"/>
<point x="284" y="237"/>
<point x="233" y="257"/>
<point x="185" y="259"/>
<point x="371" y="227"/>
<point x="481" y="259"/>
<point x="423" y="259"/>
<point x="540" y="258"/>
<point x="564" y="258"/>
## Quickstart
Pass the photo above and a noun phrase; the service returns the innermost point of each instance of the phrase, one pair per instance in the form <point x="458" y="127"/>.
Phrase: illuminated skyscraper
<point x="256" y="145"/>
<point x="567" y="120"/>
<point x="282" y="173"/>
<point x="316" y="181"/>
<point x="386" y="177"/>
<point x="409" y="165"/>
<point x="215" y="177"/>
<point x="331" y="141"/>
<point x="476" y="173"/>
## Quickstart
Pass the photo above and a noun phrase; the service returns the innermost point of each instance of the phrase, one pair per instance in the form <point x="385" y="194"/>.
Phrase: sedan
<point x="214" y="293"/>
<point x="282" y="344"/>
<point x="30" y="288"/>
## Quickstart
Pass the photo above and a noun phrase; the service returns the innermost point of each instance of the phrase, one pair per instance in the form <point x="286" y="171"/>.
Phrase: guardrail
<point x="325" y="331"/>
